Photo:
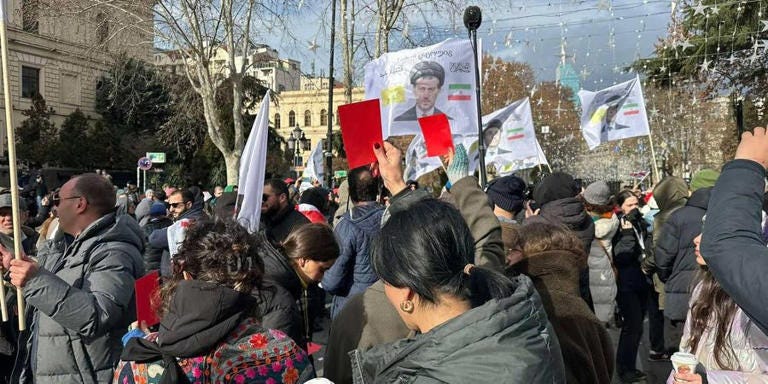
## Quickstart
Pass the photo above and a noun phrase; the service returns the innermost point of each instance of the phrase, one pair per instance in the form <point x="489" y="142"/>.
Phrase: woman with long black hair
<point x="471" y="322"/>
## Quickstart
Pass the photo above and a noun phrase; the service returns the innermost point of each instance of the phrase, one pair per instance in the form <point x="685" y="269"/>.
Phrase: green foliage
<point x="731" y="40"/>
<point x="133" y="96"/>
<point x="36" y="137"/>
<point x="73" y="131"/>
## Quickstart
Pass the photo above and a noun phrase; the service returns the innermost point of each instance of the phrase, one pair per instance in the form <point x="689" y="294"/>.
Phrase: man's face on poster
<point x="426" y="89"/>
<point x="610" y="114"/>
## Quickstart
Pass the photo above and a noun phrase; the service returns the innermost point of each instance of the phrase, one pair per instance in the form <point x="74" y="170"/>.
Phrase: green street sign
<point x="340" y="174"/>
<point x="156" y="157"/>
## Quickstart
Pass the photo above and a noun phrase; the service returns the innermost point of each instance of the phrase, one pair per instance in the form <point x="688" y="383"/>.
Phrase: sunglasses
<point x="176" y="205"/>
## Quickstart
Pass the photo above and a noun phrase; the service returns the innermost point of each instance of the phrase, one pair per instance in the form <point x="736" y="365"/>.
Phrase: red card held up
<point x="147" y="288"/>
<point x="437" y="134"/>
<point x="360" y="129"/>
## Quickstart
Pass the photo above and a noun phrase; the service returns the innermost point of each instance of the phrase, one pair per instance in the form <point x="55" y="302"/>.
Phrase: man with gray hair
<point x="80" y="291"/>
<point x="427" y="79"/>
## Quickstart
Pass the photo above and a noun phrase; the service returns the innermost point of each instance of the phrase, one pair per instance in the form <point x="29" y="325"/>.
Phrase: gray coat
<point x="82" y="300"/>
<point x="502" y="341"/>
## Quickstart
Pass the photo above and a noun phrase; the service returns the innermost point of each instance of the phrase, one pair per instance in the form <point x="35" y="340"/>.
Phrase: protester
<point x="466" y="315"/>
<point x="598" y="203"/>
<point x="368" y="320"/>
<point x="556" y="197"/>
<point x="181" y="209"/>
<point x="142" y="208"/>
<point x="676" y="263"/>
<point x="210" y="329"/>
<point x="301" y="262"/>
<point x="278" y="212"/>
<point x="721" y="336"/>
<point x="312" y="204"/>
<point x="80" y="290"/>
<point x="552" y="257"/>
<point x="629" y="246"/>
<point x="732" y="244"/>
<point x="352" y="273"/>
<point x="157" y="219"/>
<point x="506" y="195"/>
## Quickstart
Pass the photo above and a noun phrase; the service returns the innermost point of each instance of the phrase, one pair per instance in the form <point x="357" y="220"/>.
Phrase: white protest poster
<point x="508" y="132"/>
<point x="419" y="82"/>
<point x="614" y="113"/>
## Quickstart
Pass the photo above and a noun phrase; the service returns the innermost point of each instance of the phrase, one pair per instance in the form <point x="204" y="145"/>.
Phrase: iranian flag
<point x="459" y="92"/>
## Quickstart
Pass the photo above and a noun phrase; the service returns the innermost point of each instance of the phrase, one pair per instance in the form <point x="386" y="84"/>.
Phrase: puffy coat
<point x="587" y="350"/>
<point x="602" y="280"/>
<point x="82" y="300"/>
<point x="502" y="341"/>
<point x="675" y="253"/>
<point x="352" y="272"/>
<point x="670" y="194"/>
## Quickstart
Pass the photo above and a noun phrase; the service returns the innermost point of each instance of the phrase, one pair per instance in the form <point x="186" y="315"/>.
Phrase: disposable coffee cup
<point x="684" y="362"/>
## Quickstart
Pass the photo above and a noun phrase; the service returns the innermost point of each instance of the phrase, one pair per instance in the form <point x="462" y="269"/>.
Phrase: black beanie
<point x="556" y="186"/>
<point x="507" y="193"/>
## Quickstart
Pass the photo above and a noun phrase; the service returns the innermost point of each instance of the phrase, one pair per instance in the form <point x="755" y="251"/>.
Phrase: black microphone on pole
<point x="473" y="17"/>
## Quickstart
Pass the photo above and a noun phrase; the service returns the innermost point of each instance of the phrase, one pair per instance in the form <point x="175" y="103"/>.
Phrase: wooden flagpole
<point x="17" y="250"/>
<point x="656" y="175"/>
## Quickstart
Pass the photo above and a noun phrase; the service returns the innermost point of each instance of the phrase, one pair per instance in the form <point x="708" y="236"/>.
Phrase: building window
<point x="30" y="82"/>
<point x="277" y="121"/>
<point x="307" y="118"/>
<point x="30" y="15"/>
<point x="102" y="28"/>
<point x="291" y="119"/>
<point x="323" y="117"/>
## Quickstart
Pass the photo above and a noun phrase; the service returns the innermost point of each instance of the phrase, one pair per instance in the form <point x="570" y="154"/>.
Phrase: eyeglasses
<point x="58" y="199"/>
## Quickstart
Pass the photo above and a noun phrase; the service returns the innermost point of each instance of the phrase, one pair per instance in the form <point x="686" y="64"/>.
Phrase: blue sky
<point x="601" y="36"/>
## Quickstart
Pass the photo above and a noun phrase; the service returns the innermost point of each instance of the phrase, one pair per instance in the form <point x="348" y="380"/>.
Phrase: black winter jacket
<point x="675" y="257"/>
<point x="732" y="242"/>
<point x="628" y="253"/>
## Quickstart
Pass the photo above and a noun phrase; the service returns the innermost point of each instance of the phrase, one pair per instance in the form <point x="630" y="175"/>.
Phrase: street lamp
<point x="297" y="143"/>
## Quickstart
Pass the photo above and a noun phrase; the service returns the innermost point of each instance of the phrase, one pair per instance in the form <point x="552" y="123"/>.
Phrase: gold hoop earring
<point x="406" y="306"/>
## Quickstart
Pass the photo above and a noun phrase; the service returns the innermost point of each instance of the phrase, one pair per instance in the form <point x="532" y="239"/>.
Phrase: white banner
<point x="420" y="82"/>
<point x="614" y="113"/>
<point x="510" y="140"/>
<point x="253" y="165"/>
<point x="315" y="168"/>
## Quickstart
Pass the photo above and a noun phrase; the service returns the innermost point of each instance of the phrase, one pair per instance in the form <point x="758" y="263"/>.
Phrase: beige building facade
<point x="309" y="111"/>
<point x="63" y="57"/>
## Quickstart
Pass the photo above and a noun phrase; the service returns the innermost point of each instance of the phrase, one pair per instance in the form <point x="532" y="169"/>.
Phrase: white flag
<point x="419" y="82"/>
<point x="315" y="169"/>
<point x="613" y="113"/>
<point x="253" y="165"/>
<point x="417" y="163"/>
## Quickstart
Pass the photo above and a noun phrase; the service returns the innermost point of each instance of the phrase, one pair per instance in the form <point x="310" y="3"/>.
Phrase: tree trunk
<point x="232" y="162"/>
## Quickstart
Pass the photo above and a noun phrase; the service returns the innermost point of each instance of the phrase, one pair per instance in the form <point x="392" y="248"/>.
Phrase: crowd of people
<point x="512" y="283"/>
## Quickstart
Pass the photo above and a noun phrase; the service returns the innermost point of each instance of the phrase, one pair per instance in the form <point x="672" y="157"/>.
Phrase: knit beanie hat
<point x="598" y="193"/>
<point x="507" y="193"/>
<point x="704" y="178"/>
<point x="158" y="209"/>
<point x="556" y="186"/>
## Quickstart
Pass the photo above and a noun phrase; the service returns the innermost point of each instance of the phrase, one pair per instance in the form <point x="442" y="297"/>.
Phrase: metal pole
<point x="144" y="175"/>
<point x="138" y="174"/>
<point x="480" y="138"/>
<point x="17" y="250"/>
<point x="331" y="114"/>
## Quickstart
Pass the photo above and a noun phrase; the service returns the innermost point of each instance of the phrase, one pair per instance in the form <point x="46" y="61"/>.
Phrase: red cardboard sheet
<point x="360" y="129"/>
<point x="147" y="287"/>
<point x="437" y="134"/>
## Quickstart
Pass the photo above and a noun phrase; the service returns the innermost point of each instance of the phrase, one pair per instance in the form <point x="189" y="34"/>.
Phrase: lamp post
<point x="297" y="143"/>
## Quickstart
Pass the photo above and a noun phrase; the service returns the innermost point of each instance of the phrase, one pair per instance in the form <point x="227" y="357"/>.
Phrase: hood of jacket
<point x="507" y="337"/>
<point x="200" y="315"/>
<point x="569" y="212"/>
<point x="556" y="269"/>
<point x="700" y="198"/>
<point x="605" y="228"/>
<point x="363" y="212"/>
<point x="193" y="213"/>
<point x="671" y="192"/>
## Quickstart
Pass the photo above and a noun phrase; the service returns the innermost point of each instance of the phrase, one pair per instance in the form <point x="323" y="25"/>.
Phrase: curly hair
<point x="220" y="252"/>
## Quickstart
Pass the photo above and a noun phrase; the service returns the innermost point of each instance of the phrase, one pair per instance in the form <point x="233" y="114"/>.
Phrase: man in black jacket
<point x="732" y="243"/>
<point x="676" y="263"/>
<point x="278" y="213"/>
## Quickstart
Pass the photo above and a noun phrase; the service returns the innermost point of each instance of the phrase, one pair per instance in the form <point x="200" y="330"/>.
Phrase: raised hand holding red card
<point x="360" y="129"/>
<point x="437" y="134"/>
